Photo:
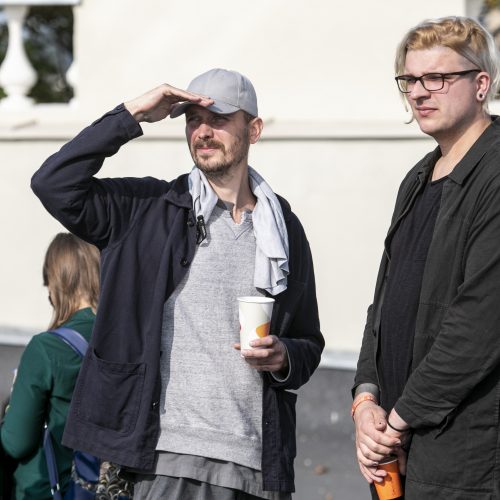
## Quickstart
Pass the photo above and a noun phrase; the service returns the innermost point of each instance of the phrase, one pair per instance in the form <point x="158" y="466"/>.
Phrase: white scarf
<point x="271" y="236"/>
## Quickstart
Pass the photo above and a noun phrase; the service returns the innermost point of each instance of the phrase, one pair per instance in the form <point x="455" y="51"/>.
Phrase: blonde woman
<point x="48" y="368"/>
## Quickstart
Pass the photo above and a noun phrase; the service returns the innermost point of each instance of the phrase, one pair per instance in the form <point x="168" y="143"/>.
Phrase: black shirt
<point x="408" y="250"/>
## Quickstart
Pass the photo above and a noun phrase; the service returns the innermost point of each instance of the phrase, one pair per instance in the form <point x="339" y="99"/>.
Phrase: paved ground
<point x="325" y="465"/>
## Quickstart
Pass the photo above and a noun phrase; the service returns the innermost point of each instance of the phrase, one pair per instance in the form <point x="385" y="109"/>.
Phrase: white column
<point x="17" y="76"/>
<point x="72" y="79"/>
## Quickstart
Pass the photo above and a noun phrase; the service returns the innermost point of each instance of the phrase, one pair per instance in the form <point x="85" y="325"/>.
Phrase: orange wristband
<point x="362" y="399"/>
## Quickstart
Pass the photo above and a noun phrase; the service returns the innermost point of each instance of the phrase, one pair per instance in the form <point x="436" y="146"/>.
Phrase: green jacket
<point x="42" y="393"/>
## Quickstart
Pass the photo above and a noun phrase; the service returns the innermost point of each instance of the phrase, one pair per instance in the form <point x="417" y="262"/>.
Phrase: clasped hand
<point x="375" y="440"/>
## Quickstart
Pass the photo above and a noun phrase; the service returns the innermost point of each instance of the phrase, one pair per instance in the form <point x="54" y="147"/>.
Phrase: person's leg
<point x="156" y="487"/>
<point x="151" y="487"/>
<point x="241" y="495"/>
<point x="211" y="492"/>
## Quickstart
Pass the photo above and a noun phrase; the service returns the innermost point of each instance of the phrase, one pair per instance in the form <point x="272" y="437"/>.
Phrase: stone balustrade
<point x="17" y="76"/>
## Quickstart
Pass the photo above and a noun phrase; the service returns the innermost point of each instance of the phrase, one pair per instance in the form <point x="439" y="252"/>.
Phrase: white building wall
<point x="315" y="60"/>
<point x="335" y="143"/>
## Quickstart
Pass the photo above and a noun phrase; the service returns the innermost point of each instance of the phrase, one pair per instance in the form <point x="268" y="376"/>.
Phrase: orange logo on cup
<point x="263" y="330"/>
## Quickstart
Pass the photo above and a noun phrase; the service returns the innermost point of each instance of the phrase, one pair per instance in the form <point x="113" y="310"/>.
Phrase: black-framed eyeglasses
<point x="431" y="82"/>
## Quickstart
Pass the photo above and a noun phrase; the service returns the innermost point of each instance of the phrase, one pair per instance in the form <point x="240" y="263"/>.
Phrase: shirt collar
<point x="467" y="164"/>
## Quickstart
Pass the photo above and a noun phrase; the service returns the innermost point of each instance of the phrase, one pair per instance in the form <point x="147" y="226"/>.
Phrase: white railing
<point x="17" y="76"/>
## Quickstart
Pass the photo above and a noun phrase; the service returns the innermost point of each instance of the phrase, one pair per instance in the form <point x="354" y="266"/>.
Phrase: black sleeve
<point x="97" y="210"/>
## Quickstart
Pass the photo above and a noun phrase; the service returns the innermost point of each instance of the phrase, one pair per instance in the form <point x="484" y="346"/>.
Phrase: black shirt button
<point x="184" y="263"/>
<point x="155" y="405"/>
<point x="190" y="222"/>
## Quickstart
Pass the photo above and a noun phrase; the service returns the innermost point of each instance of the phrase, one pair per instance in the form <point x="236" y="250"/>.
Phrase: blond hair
<point x="71" y="268"/>
<point x="463" y="35"/>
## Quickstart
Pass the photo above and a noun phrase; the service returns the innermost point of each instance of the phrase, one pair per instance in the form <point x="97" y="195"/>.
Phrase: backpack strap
<point x="51" y="464"/>
<point x="78" y="343"/>
<point x="75" y="340"/>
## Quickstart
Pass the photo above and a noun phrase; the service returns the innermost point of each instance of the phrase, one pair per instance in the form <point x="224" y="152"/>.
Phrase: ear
<point x="255" y="129"/>
<point x="483" y="82"/>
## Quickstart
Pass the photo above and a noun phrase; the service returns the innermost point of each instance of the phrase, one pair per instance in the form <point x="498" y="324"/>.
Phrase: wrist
<point x="396" y="423"/>
<point x="362" y="399"/>
<point x="366" y="387"/>
<point x="395" y="428"/>
<point x="136" y="113"/>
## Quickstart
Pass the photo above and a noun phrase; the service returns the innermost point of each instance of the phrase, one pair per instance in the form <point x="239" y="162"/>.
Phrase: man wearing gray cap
<point x="165" y="389"/>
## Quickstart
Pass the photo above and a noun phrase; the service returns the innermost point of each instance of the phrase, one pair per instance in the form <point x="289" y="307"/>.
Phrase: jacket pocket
<point x="110" y="394"/>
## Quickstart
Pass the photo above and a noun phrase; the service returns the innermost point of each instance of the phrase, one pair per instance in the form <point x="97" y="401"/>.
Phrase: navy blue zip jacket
<point x="146" y="231"/>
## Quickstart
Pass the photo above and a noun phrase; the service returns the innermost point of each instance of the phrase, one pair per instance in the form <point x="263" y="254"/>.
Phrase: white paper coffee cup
<point x="255" y="318"/>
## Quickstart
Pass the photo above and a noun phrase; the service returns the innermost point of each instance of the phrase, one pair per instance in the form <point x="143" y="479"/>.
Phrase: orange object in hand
<point x="390" y="487"/>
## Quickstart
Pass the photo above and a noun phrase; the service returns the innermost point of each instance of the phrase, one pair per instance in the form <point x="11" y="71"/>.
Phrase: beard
<point x="216" y="168"/>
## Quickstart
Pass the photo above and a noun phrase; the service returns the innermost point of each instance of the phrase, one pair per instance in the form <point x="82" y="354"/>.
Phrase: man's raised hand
<point x="157" y="104"/>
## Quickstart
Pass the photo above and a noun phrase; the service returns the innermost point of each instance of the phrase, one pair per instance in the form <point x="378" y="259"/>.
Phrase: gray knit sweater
<point x="211" y="402"/>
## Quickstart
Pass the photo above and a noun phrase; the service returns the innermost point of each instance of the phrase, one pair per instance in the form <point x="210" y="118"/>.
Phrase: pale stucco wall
<point x="316" y="60"/>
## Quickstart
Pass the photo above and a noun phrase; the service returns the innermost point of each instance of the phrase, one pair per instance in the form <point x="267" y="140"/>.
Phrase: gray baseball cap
<point x="230" y="90"/>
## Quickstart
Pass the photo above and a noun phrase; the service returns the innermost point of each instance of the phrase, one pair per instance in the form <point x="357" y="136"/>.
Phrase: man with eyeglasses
<point x="427" y="386"/>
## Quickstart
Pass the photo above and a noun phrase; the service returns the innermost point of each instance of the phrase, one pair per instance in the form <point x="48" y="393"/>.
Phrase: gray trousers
<point x="153" y="487"/>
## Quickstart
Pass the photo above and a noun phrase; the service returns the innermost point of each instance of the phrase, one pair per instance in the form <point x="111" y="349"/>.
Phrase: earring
<point x="480" y="96"/>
